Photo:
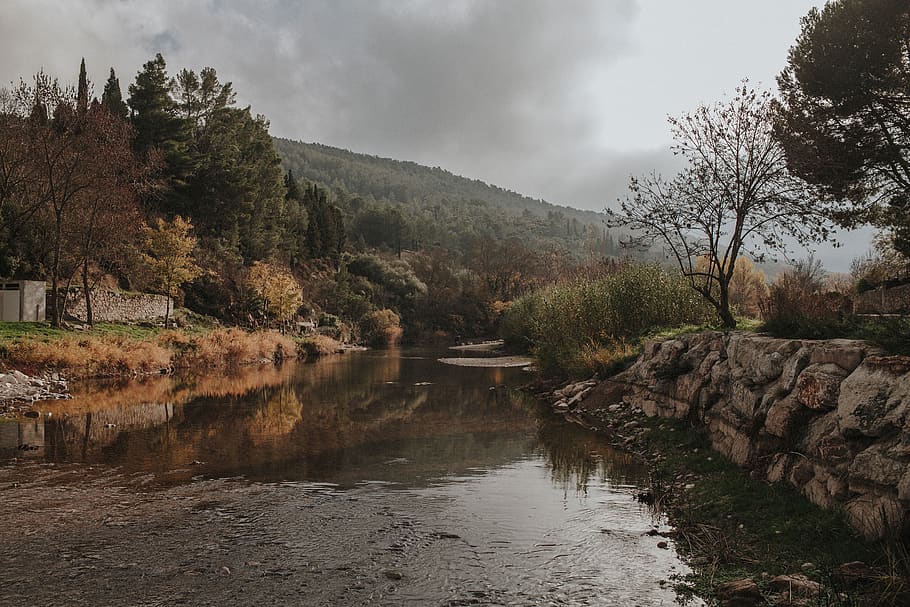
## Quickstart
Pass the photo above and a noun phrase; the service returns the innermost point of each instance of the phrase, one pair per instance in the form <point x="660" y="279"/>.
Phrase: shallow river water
<point x="373" y="478"/>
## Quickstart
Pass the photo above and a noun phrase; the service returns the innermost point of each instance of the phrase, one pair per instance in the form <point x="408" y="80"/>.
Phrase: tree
<point x="106" y="217"/>
<point x="844" y="119"/>
<point x="112" y="98"/>
<point x="277" y="288"/>
<point x="77" y="158"/>
<point x="82" y="90"/>
<point x="735" y="194"/>
<point x="169" y="255"/>
<point x="159" y="129"/>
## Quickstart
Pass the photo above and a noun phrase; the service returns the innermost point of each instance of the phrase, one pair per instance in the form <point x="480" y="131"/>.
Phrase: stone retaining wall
<point x="115" y="306"/>
<point x="831" y="417"/>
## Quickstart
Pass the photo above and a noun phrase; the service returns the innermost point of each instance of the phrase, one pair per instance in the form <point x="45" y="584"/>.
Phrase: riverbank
<point x="37" y="360"/>
<point x="750" y="542"/>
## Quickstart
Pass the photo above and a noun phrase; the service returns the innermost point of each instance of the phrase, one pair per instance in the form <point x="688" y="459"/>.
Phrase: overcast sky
<point x="559" y="99"/>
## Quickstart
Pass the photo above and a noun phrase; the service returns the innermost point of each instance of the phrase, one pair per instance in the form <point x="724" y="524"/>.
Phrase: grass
<point x="112" y="349"/>
<point x="731" y="526"/>
<point x="583" y="325"/>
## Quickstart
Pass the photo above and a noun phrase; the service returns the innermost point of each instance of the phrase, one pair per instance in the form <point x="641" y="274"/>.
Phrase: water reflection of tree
<point x="576" y="456"/>
<point x="278" y="416"/>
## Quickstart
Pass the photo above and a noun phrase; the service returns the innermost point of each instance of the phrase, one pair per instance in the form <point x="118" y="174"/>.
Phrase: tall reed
<point x="565" y="325"/>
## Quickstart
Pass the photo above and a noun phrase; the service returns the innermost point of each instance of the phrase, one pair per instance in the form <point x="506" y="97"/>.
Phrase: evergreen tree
<point x="112" y="98"/>
<point x="82" y="90"/>
<point x="154" y="116"/>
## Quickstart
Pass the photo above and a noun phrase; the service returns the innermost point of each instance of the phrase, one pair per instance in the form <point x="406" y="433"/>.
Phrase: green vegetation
<point x="393" y="205"/>
<point x="843" y="117"/>
<point x="731" y="526"/>
<point x="588" y="324"/>
<point x="800" y="304"/>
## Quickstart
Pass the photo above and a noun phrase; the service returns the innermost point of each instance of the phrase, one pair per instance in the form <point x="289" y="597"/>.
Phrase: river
<point x="372" y="478"/>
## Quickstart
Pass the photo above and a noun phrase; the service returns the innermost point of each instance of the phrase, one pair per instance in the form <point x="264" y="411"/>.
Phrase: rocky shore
<point x="18" y="391"/>
<point x="829" y="419"/>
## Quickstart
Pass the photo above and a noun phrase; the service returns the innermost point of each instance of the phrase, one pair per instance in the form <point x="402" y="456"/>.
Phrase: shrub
<point x="317" y="345"/>
<point x="381" y="328"/>
<point x="798" y="306"/>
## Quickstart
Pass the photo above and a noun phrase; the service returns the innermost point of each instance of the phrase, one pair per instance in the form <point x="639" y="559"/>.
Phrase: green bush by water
<point x="565" y="325"/>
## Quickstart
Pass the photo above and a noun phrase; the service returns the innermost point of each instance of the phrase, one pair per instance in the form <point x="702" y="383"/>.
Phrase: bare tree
<point x="734" y="196"/>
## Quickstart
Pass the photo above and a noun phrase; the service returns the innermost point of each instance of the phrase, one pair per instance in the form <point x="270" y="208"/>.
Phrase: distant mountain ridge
<point x="412" y="185"/>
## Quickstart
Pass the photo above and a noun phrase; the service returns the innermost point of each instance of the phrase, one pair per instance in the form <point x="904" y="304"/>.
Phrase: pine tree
<point x="112" y="98"/>
<point x="154" y="116"/>
<point x="154" y="113"/>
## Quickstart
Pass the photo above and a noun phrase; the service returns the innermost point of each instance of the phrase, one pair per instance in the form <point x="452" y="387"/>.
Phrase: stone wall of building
<point x="117" y="306"/>
<point x="830" y="417"/>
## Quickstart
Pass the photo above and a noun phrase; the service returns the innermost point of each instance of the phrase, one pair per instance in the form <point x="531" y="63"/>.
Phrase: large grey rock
<point x="846" y="354"/>
<point x="739" y="593"/>
<point x="786" y="417"/>
<point x="756" y="359"/>
<point x="873" y="465"/>
<point x="875" y="397"/>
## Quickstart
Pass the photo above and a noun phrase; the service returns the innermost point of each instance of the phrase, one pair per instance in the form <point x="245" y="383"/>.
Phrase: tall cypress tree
<point x="82" y="94"/>
<point x="112" y="98"/>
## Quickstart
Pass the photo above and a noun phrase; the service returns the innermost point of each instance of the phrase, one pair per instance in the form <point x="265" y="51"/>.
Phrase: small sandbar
<point x="490" y="361"/>
<point x="479" y="347"/>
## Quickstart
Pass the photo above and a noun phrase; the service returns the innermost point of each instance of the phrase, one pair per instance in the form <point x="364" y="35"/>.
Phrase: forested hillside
<point x="396" y="203"/>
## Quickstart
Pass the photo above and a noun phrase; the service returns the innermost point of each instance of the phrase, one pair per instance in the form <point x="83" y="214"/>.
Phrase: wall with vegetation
<point x="829" y="417"/>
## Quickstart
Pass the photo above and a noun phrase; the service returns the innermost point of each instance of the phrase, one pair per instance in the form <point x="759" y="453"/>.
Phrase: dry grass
<point x="112" y="355"/>
<point x="89" y="356"/>
<point x="318" y="345"/>
<point x="605" y="358"/>
<point x="232" y="347"/>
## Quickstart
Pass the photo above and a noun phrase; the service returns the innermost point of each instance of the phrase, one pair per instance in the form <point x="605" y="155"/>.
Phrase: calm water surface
<point x="381" y="477"/>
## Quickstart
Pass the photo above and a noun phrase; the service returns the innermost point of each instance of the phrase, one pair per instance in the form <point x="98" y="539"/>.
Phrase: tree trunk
<point x="89" y="319"/>
<point x="55" y="274"/>
<point x="723" y="308"/>
<point x="167" y="305"/>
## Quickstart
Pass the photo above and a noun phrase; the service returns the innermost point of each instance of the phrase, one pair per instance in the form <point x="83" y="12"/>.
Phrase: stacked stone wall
<point x="116" y="306"/>
<point x="830" y="417"/>
<point x="895" y="300"/>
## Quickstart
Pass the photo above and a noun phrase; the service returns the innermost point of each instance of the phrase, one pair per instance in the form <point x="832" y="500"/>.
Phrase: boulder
<point x="875" y="516"/>
<point x="792" y="368"/>
<point x="874" y="399"/>
<point x="795" y="586"/>
<point x="757" y="359"/>
<point x="853" y="573"/>
<point x="739" y="593"/>
<point x="846" y="354"/>
<point x="786" y="417"/>
<point x="818" y="386"/>
<point x="873" y="465"/>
